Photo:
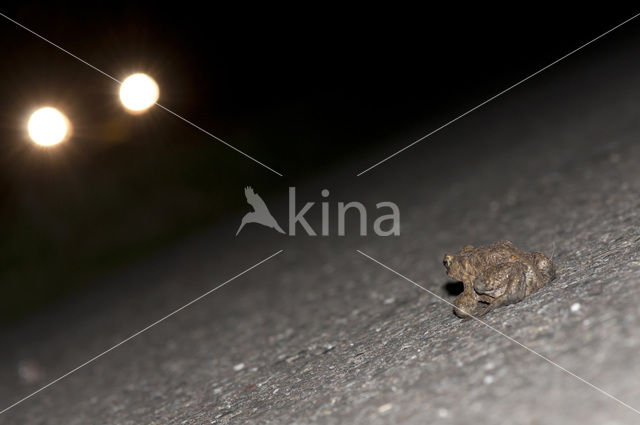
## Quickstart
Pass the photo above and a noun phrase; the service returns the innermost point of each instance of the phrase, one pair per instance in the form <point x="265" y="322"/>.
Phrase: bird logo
<point x="260" y="214"/>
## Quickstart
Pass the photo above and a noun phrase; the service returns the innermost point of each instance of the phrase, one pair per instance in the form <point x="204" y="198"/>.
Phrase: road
<point x="321" y="334"/>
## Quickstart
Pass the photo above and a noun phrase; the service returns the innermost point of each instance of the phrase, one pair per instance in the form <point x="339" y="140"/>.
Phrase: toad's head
<point x="454" y="266"/>
<point x="545" y="266"/>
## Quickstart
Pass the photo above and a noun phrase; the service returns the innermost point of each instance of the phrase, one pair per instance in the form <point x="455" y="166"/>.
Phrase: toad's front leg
<point x="466" y="303"/>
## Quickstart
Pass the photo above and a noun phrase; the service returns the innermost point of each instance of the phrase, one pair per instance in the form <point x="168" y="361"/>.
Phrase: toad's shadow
<point x="453" y="288"/>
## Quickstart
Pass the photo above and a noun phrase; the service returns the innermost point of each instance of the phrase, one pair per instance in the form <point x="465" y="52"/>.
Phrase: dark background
<point x="300" y="90"/>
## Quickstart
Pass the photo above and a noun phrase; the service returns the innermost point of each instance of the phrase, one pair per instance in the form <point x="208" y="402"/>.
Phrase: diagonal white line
<point x="60" y="48"/>
<point x="503" y="334"/>
<point x="157" y="104"/>
<point x="497" y="95"/>
<point x="138" y="333"/>
<point x="217" y="138"/>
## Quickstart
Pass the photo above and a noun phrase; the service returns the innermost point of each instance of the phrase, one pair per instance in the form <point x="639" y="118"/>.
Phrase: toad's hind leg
<point x="512" y="277"/>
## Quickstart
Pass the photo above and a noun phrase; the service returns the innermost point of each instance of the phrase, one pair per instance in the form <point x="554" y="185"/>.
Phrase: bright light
<point x="48" y="126"/>
<point x="139" y="92"/>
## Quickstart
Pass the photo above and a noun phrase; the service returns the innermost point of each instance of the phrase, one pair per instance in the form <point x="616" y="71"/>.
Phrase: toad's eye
<point x="447" y="261"/>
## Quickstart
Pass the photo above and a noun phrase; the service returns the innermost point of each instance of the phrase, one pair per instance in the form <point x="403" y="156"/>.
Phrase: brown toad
<point x="498" y="274"/>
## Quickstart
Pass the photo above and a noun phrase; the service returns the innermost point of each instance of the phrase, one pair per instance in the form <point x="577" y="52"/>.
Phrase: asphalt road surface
<point x="321" y="334"/>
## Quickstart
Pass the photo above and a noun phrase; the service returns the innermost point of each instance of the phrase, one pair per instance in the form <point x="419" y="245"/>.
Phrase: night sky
<point x="285" y="83"/>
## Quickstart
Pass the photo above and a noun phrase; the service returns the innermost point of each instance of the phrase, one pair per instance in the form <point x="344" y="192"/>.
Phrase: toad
<point x="496" y="275"/>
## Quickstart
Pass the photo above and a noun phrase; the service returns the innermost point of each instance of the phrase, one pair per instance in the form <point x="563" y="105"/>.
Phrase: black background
<point x="297" y="88"/>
